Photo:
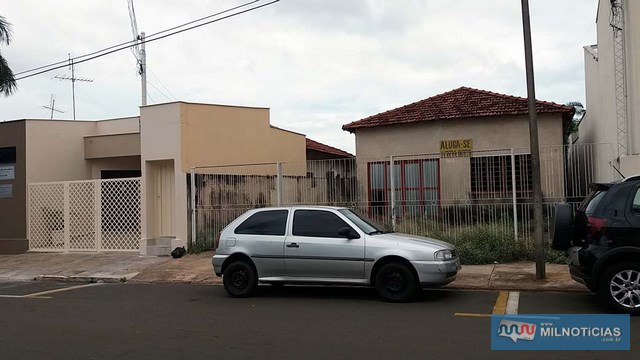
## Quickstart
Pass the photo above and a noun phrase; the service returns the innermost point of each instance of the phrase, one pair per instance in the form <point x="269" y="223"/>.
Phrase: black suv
<point x="602" y="241"/>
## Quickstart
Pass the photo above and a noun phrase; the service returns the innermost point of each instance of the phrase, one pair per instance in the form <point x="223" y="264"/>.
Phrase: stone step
<point x="159" y="250"/>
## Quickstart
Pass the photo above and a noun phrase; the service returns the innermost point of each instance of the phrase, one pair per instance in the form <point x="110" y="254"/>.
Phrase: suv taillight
<point x="595" y="226"/>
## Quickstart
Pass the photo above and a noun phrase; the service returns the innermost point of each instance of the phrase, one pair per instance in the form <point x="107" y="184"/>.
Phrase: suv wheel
<point x="620" y="287"/>
<point x="395" y="282"/>
<point x="240" y="279"/>
<point x="562" y="227"/>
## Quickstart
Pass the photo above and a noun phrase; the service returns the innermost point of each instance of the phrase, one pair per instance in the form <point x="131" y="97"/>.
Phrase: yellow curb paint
<point x="38" y="294"/>
<point x="501" y="303"/>
<point x="472" y="315"/>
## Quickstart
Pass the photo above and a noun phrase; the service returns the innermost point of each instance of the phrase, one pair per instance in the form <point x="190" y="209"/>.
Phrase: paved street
<point x="43" y="320"/>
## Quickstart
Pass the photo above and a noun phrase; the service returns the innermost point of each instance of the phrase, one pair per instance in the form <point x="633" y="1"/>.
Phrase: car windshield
<point x="366" y="225"/>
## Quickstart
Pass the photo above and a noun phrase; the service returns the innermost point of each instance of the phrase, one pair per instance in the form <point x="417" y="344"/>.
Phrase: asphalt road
<point x="135" y="321"/>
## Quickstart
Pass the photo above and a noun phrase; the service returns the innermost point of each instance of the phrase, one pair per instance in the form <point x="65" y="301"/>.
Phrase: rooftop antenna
<point x="73" y="79"/>
<point x="52" y="106"/>
<point x="139" y="52"/>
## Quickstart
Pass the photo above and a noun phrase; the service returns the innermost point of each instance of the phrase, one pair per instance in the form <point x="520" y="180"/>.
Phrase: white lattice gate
<point x="90" y="215"/>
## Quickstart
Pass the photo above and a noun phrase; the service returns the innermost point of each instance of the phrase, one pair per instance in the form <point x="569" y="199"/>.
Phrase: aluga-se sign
<point x="456" y="148"/>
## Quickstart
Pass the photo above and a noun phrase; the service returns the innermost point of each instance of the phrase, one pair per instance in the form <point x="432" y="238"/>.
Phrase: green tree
<point x="578" y="115"/>
<point x="7" y="80"/>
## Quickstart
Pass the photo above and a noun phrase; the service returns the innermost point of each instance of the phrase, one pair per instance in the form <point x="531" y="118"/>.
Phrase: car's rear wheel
<point x="395" y="282"/>
<point x="240" y="279"/>
<point x="562" y="227"/>
<point x="620" y="287"/>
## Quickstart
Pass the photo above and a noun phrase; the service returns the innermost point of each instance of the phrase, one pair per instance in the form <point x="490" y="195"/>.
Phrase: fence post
<point x="392" y="192"/>
<point x="66" y="217"/>
<point x="98" y="213"/>
<point x="513" y="194"/>
<point x="192" y="240"/>
<point x="279" y="184"/>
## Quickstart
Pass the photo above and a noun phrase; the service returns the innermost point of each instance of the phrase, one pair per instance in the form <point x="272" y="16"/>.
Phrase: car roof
<point x="296" y="207"/>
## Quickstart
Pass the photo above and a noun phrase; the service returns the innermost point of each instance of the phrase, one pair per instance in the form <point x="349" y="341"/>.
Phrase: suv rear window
<point x="591" y="202"/>
<point x="270" y="222"/>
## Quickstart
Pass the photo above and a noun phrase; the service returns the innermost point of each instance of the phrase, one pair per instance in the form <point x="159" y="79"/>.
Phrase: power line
<point x="160" y="91"/>
<point x="132" y="42"/>
<point x="161" y="84"/>
<point x="128" y="44"/>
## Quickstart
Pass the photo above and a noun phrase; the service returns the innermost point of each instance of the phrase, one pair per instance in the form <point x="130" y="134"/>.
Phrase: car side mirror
<point x="348" y="233"/>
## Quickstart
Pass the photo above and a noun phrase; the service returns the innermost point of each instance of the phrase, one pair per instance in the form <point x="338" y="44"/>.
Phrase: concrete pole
<point x="533" y="143"/>
<point x="143" y="68"/>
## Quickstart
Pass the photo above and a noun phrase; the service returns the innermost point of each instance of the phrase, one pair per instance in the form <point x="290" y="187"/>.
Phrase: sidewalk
<point x="196" y="269"/>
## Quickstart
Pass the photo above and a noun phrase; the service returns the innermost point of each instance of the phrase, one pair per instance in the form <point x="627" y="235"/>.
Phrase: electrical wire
<point x="158" y="90"/>
<point x="161" y="84"/>
<point x="131" y="43"/>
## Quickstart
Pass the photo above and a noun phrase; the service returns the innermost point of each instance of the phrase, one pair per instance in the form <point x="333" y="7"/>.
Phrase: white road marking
<point x="512" y="302"/>
<point x="38" y="294"/>
<point x="22" y="296"/>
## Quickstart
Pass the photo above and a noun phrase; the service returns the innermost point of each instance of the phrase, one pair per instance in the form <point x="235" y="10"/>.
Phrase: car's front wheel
<point x="395" y="282"/>
<point x="240" y="279"/>
<point x="620" y="287"/>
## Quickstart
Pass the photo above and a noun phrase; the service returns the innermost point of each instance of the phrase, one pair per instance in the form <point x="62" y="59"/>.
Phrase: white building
<point x="612" y="79"/>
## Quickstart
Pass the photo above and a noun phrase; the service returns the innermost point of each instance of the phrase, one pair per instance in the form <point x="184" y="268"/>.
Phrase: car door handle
<point x="293" y="245"/>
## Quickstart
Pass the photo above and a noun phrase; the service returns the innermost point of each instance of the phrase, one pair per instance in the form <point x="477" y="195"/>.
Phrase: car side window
<point x="271" y="222"/>
<point x="635" y="206"/>
<point x="317" y="223"/>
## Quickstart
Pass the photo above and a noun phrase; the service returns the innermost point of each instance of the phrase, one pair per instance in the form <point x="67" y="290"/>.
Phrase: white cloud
<point x="318" y="64"/>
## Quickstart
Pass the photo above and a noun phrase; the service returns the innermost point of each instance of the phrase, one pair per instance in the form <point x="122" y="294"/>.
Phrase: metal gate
<point x="89" y="215"/>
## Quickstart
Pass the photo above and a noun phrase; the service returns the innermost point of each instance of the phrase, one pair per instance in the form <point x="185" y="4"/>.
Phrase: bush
<point x="489" y="243"/>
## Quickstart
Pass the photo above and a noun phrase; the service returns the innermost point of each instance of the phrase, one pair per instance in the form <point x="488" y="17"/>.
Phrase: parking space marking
<point x="39" y="294"/>
<point x="472" y="315"/>
<point x="501" y="303"/>
<point x="512" y="302"/>
<point x="501" y="306"/>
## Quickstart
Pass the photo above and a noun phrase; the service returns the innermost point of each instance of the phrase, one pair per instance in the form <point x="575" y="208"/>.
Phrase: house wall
<point x="160" y="150"/>
<point x="119" y="163"/>
<point x="13" y="211"/>
<point x="222" y="135"/>
<point x="110" y="146"/>
<point x="118" y="126"/>
<point x="55" y="150"/>
<point x="180" y="136"/>
<point x="488" y="134"/>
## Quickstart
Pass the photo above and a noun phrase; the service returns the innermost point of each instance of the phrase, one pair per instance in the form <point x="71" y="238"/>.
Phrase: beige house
<point x="612" y="81"/>
<point x="457" y="147"/>
<point x="161" y="146"/>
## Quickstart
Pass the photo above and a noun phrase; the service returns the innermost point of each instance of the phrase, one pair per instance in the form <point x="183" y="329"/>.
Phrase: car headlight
<point x="443" y="255"/>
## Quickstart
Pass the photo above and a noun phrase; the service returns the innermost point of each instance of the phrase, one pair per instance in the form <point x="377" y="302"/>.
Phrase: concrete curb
<point x="87" y="278"/>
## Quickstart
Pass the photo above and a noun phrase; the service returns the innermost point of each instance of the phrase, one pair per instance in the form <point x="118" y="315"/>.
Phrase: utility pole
<point x="533" y="143"/>
<point x="143" y="69"/>
<point x="73" y="80"/>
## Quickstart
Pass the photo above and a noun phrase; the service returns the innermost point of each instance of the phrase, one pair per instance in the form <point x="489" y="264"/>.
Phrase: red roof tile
<point x="460" y="103"/>
<point x="314" y="145"/>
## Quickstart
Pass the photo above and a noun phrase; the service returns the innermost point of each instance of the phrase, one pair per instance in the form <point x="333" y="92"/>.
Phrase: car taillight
<point x="595" y="226"/>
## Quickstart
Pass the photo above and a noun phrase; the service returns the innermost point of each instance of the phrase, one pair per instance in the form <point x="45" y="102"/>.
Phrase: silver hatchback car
<point x="328" y="245"/>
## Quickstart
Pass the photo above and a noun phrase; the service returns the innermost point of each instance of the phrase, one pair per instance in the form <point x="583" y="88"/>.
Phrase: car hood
<point x="410" y="241"/>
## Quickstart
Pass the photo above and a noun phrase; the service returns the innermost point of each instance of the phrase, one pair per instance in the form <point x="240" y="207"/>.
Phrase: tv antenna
<point x="73" y="80"/>
<point x="52" y="106"/>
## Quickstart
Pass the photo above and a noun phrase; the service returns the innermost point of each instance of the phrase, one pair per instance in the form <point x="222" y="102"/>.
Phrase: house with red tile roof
<point x="457" y="146"/>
